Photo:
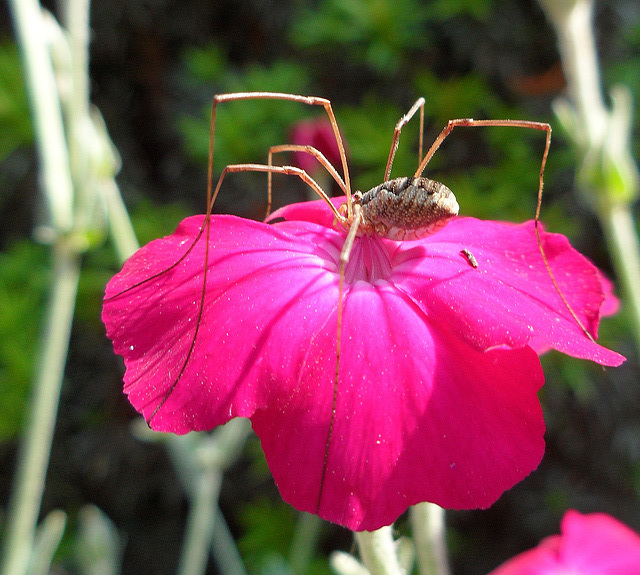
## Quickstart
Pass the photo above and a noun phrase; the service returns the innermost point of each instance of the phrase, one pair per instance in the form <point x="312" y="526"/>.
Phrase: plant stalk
<point x="428" y="527"/>
<point x="33" y="457"/>
<point x="378" y="551"/>
<point x="55" y="176"/>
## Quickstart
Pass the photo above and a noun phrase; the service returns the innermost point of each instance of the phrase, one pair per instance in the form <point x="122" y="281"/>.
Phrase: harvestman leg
<point x="309" y="100"/>
<point x="351" y="218"/>
<point x="352" y="227"/>
<point x="469" y="122"/>
<point x="396" y="135"/>
<point x="541" y="126"/>
<point x="317" y="154"/>
<point x="212" y="194"/>
<point x="288" y="170"/>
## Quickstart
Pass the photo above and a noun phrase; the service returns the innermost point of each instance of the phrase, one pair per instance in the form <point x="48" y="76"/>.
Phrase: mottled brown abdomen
<point x="407" y="208"/>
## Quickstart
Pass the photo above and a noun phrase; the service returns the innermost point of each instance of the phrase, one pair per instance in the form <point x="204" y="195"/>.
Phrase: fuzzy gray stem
<point x="33" y="457"/>
<point x="428" y="523"/>
<point x="378" y="551"/>
<point x="55" y="177"/>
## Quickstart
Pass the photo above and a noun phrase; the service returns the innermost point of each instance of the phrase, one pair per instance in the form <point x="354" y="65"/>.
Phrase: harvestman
<point x="399" y="209"/>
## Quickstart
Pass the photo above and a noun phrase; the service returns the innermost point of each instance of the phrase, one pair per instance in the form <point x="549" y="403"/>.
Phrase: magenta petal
<point x="509" y="299"/>
<point x="611" y="303"/>
<point x="541" y="560"/>
<point x="312" y="212"/>
<point x="610" y="306"/>
<point x="265" y="291"/>
<point x="419" y="416"/>
<point x="435" y="398"/>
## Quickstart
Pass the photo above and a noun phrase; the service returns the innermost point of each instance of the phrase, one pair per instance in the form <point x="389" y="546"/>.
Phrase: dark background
<point x="155" y="66"/>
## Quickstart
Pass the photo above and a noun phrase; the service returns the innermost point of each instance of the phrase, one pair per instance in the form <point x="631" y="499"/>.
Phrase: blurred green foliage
<point x="268" y="531"/>
<point x="24" y="276"/>
<point x="243" y="132"/>
<point x="15" y="122"/>
<point x="377" y="32"/>
<point x="24" y="285"/>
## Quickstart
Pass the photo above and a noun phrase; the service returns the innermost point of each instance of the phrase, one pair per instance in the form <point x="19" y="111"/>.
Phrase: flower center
<point x="369" y="260"/>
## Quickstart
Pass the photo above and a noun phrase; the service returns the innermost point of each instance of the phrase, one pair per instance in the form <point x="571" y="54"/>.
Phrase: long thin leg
<point x="289" y="170"/>
<point x="469" y="122"/>
<point x="309" y="100"/>
<point x="317" y="154"/>
<point x="207" y="226"/>
<point x="396" y="135"/>
<point x="212" y="194"/>
<point x="542" y="126"/>
<point x="344" y="259"/>
<point x="270" y="169"/>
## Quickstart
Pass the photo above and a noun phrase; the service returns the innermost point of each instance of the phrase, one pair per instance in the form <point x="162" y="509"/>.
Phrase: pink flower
<point x="319" y="134"/>
<point x="594" y="544"/>
<point x="436" y="390"/>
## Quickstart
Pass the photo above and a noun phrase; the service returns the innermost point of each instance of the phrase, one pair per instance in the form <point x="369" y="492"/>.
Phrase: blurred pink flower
<point x="595" y="544"/>
<point x="436" y="398"/>
<point x="319" y="134"/>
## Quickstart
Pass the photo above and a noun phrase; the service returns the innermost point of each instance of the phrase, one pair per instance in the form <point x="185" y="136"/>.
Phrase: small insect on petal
<point x="473" y="262"/>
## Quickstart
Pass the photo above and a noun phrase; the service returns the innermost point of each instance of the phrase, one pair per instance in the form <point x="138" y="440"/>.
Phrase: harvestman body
<point x="404" y="208"/>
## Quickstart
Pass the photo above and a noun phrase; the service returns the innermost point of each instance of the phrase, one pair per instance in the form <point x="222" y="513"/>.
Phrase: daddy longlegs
<point x="399" y="209"/>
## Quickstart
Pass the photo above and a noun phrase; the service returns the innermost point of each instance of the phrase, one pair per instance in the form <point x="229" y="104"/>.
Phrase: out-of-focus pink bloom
<point x="319" y="134"/>
<point x="435" y="398"/>
<point x="595" y="544"/>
